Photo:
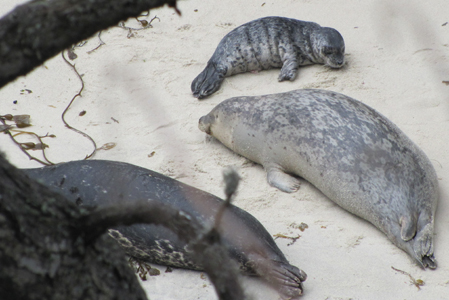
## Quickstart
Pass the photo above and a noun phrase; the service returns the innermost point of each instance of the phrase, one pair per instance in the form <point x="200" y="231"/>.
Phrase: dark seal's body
<point x="100" y="182"/>
<point x="266" y="43"/>
<point x="353" y="154"/>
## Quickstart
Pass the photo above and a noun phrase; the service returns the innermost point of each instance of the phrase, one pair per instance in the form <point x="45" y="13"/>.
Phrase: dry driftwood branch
<point x="41" y="258"/>
<point x="44" y="250"/>
<point x="40" y="29"/>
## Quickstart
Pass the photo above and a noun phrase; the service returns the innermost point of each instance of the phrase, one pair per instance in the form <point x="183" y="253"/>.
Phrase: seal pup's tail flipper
<point x="207" y="82"/>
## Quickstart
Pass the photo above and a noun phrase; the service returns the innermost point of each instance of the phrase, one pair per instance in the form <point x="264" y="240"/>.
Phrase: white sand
<point x="397" y="58"/>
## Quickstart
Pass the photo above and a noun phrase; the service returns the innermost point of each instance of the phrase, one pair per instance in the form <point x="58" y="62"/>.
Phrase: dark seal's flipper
<point x="99" y="183"/>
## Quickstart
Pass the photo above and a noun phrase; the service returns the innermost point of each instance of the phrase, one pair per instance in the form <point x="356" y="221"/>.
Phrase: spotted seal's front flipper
<point x="279" y="179"/>
<point x="208" y="81"/>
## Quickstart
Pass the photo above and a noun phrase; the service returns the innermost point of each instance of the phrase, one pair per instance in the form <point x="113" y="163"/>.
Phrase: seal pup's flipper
<point x="279" y="179"/>
<point x="289" y="68"/>
<point x="207" y="82"/>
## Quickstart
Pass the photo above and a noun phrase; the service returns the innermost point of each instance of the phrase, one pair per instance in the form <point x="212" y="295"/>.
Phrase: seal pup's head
<point x="329" y="46"/>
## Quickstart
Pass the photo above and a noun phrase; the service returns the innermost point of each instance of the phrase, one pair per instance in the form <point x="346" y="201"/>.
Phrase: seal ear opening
<point x="408" y="227"/>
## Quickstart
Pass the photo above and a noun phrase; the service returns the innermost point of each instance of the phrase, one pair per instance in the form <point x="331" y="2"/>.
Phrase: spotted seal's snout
<point x="205" y="123"/>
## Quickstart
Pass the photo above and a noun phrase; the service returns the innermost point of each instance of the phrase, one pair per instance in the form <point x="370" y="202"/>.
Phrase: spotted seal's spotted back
<point x="353" y="154"/>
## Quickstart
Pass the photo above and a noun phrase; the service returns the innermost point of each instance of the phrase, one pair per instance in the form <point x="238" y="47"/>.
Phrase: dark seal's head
<point x="329" y="46"/>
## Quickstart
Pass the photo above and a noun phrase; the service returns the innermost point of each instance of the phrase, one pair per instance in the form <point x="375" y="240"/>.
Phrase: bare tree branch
<point x="40" y="29"/>
<point x="208" y="250"/>
<point x="148" y="212"/>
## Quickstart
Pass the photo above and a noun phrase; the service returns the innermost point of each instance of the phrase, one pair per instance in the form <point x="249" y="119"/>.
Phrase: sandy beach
<point x="137" y="96"/>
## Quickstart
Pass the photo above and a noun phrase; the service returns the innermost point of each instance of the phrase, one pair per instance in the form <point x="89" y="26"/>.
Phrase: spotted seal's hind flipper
<point x="207" y="82"/>
<point x="423" y="242"/>
<point x="429" y="262"/>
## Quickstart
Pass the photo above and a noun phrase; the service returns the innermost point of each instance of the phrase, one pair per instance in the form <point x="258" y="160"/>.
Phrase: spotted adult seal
<point x="353" y="154"/>
<point x="266" y="43"/>
<point x="100" y="182"/>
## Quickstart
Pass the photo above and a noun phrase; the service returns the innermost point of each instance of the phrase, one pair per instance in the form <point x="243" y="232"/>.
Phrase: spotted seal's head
<point x="222" y="121"/>
<point x="329" y="46"/>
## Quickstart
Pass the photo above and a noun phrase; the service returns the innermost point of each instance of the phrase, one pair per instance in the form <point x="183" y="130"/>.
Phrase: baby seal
<point x="350" y="152"/>
<point x="101" y="182"/>
<point x="266" y="43"/>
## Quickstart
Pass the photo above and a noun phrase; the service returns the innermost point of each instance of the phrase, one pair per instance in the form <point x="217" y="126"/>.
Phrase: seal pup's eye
<point x="328" y="51"/>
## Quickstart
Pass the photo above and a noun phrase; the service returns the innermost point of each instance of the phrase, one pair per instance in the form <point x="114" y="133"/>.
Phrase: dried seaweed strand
<point x="130" y="29"/>
<point x="283" y="236"/>
<point x="101" y="43"/>
<point x="68" y="106"/>
<point x="415" y="282"/>
<point x="40" y="141"/>
<point x="8" y="132"/>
